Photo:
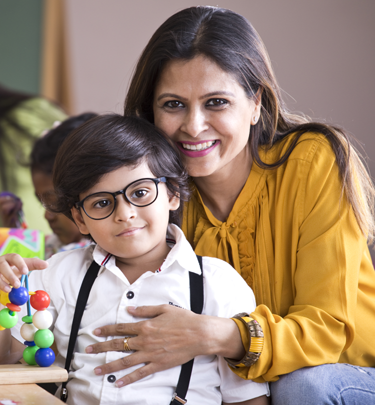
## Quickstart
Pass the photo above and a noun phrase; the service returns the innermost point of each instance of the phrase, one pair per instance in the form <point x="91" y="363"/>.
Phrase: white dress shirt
<point x="225" y="294"/>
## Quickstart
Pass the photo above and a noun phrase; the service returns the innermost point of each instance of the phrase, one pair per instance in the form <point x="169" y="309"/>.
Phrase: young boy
<point x="122" y="183"/>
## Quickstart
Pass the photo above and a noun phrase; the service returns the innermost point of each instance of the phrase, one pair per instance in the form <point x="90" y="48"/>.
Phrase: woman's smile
<point x="196" y="149"/>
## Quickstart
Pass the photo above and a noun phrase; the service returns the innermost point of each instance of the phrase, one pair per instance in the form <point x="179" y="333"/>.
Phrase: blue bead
<point x="18" y="296"/>
<point x="29" y="343"/>
<point x="44" y="357"/>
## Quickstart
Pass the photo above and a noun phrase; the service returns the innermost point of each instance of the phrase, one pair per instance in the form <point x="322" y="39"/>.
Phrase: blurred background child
<point x="23" y="118"/>
<point x="66" y="235"/>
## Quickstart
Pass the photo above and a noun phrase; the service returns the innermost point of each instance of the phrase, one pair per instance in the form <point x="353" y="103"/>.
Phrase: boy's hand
<point x="13" y="266"/>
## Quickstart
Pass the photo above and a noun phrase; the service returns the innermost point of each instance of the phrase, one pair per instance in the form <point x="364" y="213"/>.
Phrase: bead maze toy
<point x="38" y="338"/>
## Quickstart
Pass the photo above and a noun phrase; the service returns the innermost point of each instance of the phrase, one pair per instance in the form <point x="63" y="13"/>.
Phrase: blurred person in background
<point x="23" y="118"/>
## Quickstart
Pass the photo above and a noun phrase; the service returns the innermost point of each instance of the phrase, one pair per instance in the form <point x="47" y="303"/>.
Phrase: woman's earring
<point x="255" y="119"/>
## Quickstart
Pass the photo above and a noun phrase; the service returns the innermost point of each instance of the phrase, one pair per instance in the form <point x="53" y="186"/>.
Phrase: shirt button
<point x="111" y="378"/>
<point x="130" y="295"/>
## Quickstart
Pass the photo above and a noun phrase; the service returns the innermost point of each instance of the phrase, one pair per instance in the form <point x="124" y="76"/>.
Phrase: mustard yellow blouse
<point x="296" y="242"/>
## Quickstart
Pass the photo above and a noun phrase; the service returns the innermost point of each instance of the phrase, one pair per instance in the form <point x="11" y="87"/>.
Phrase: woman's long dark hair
<point x="229" y="39"/>
<point x="8" y="101"/>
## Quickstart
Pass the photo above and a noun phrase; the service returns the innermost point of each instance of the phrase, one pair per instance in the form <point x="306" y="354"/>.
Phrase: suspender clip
<point x="178" y="399"/>
<point x="64" y="394"/>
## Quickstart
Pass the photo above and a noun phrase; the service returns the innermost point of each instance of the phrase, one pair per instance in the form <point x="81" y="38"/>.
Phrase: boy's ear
<point x="174" y="202"/>
<point x="78" y="219"/>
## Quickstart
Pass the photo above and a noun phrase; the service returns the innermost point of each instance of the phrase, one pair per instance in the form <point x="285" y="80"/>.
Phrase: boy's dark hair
<point x="107" y="143"/>
<point x="45" y="149"/>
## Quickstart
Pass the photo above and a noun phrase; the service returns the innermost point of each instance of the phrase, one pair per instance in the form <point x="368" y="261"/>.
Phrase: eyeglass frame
<point x="157" y="180"/>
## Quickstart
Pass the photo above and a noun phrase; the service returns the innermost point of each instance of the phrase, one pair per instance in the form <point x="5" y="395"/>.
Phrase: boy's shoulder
<point x="71" y="260"/>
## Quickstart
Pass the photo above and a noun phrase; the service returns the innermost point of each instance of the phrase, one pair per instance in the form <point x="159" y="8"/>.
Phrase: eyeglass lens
<point x="140" y="194"/>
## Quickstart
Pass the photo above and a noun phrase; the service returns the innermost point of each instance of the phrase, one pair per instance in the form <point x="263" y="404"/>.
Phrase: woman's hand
<point x="172" y="337"/>
<point x="13" y="266"/>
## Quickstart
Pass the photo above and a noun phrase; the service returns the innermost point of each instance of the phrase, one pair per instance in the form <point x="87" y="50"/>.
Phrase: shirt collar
<point x="181" y="253"/>
<point x="180" y="256"/>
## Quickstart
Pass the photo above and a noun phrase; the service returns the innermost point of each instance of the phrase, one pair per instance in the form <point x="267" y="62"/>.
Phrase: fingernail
<point x="89" y="349"/>
<point x="119" y="383"/>
<point x="97" y="371"/>
<point x="17" y="284"/>
<point x="7" y="289"/>
<point x="130" y="308"/>
<point x="25" y="270"/>
<point x="97" y="332"/>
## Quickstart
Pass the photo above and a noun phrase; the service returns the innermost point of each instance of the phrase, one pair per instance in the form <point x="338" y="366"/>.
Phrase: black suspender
<point x="83" y="296"/>
<point x="196" y="304"/>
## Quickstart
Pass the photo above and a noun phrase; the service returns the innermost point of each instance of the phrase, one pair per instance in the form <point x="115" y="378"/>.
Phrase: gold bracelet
<point x="256" y="341"/>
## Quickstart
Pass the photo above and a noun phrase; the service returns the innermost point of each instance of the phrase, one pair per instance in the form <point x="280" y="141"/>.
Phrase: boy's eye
<point x="102" y="204"/>
<point x="141" y="193"/>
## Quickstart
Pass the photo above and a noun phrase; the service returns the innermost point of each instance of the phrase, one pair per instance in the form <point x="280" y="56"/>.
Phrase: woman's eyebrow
<point x="171" y="95"/>
<point x="210" y="94"/>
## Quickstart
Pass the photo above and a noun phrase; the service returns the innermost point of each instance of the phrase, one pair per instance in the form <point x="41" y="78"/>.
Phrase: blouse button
<point x="111" y="378"/>
<point x="130" y="295"/>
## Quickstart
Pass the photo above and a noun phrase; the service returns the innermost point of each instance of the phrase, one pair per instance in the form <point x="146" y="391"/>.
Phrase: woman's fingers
<point x="136" y="375"/>
<point x="109" y="346"/>
<point x="120" y="364"/>
<point x="150" y="311"/>
<point x="126" y="329"/>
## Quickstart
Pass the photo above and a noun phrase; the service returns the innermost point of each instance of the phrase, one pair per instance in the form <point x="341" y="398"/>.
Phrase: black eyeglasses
<point x="141" y="193"/>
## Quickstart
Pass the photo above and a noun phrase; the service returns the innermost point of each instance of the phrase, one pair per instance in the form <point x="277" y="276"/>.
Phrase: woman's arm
<point x="171" y="337"/>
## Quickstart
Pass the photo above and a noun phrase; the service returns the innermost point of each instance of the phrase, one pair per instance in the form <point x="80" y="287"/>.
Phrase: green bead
<point x="29" y="355"/>
<point x="43" y="338"/>
<point x="27" y="319"/>
<point x="7" y="320"/>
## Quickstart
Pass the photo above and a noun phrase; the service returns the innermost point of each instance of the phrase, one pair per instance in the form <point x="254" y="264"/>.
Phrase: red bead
<point x="13" y="307"/>
<point x="40" y="300"/>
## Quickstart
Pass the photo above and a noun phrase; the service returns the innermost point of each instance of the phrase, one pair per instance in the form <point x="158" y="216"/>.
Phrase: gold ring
<point x="126" y="345"/>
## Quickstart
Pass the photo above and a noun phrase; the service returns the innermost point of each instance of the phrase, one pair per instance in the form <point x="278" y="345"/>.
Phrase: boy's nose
<point x="124" y="210"/>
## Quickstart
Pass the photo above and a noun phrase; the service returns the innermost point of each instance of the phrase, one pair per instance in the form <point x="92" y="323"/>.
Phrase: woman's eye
<point x="214" y="102"/>
<point x="173" y="104"/>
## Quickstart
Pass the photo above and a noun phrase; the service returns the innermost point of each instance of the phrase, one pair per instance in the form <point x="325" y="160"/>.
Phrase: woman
<point x="289" y="206"/>
<point x="286" y="201"/>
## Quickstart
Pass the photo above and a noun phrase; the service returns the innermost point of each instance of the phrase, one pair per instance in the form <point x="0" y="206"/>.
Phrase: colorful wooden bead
<point x="4" y="298"/>
<point x="42" y="319"/>
<point x="19" y="296"/>
<point x="43" y="338"/>
<point x="13" y="307"/>
<point x="29" y="355"/>
<point x="8" y="319"/>
<point x="28" y="331"/>
<point x="44" y="357"/>
<point x="40" y="300"/>
<point x="27" y="319"/>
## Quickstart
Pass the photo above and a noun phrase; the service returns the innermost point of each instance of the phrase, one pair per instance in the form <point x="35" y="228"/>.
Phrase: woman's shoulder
<point x="304" y="150"/>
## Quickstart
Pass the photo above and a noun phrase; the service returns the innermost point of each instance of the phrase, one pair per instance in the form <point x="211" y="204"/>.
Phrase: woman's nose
<point x="194" y="122"/>
<point x="124" y="210"/>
